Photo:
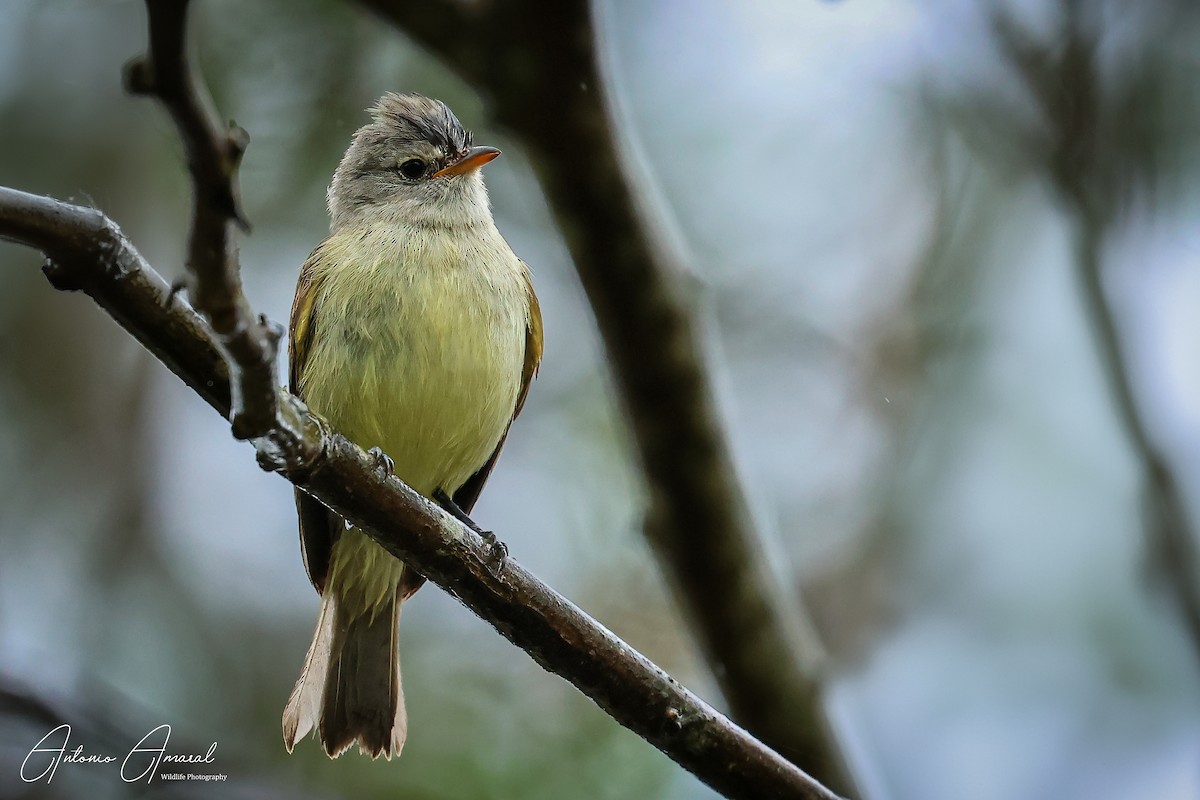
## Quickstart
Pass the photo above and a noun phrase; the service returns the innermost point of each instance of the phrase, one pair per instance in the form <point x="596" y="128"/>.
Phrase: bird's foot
<point x="499" y="551"/>
<point x="383" y="462"/>
<point x="178" y="287"/>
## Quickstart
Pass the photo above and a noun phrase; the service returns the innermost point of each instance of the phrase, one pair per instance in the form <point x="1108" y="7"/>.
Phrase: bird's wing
<point x="468" y="493"/>
<point x="319" y="527"/>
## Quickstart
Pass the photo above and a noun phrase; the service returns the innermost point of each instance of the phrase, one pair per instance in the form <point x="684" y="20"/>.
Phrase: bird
<point x="415" y="331"/>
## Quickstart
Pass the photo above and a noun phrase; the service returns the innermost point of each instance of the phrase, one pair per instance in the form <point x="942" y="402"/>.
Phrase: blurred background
<point x="948" y="270"/>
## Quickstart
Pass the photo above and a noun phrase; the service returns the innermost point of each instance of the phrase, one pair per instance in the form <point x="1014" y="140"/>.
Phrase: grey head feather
<point x="404" y="127"/>
<point x="421" y="119"/>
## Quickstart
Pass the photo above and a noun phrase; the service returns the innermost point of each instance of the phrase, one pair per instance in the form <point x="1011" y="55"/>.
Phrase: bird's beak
<point x="474" y="158"/>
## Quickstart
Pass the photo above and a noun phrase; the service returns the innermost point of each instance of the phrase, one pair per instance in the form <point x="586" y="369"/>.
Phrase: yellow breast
<point x="418" y="345"/>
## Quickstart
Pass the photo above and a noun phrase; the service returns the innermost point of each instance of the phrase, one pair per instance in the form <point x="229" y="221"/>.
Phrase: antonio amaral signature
<point x="141" y="762"/>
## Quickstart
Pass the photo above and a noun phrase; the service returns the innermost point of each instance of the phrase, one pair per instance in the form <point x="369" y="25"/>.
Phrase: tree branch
<point x="537" y="64"/>
<point x="87" y="251"/>
<point x="213" y="151"/>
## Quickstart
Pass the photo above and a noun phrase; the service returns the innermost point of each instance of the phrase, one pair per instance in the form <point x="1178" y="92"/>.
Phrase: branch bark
<point x="538" y="65"/>
<point x="214" y="151"/>
<point x="87" y="252"/>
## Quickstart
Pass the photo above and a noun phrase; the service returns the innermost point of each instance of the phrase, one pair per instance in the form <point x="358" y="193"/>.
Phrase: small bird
<point x="415" y="331"/>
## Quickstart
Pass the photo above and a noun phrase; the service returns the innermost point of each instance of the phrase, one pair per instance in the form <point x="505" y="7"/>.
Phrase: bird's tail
<point x="349" y="688"/>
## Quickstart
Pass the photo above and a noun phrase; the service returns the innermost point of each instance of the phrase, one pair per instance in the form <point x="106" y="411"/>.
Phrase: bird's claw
<point x="499" y="551"/>
<point x="383" y="462"/>
<point x="178" y="287"/>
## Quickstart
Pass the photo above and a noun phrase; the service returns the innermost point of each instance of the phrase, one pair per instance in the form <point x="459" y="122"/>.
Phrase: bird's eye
<point x="413" y="168"/>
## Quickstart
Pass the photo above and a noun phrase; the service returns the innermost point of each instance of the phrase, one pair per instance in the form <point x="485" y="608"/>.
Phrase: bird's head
<point x="413" y="160"/>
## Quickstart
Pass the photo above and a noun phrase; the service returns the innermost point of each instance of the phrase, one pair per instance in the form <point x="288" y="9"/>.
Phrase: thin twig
<point x="538" y="65"/>
<point x="214" y="151"/>
<point x="87" y="251"/>
<point x="1170" y="544"/>
<point x="1065" y="82"/>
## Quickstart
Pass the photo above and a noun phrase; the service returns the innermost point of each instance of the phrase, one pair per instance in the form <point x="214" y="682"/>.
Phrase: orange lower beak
<point x="475" y="158"/>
